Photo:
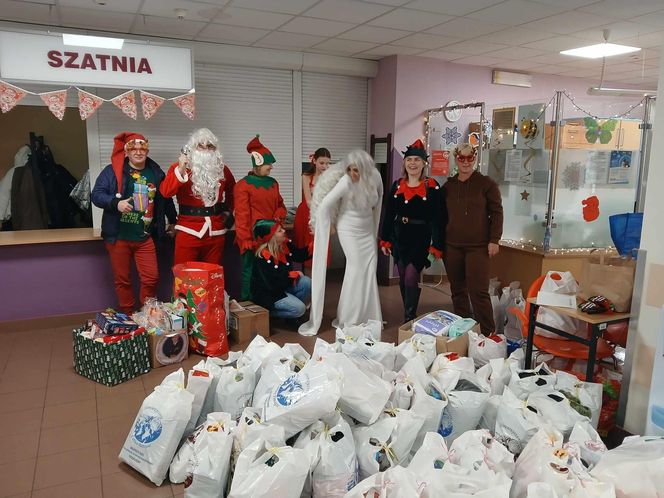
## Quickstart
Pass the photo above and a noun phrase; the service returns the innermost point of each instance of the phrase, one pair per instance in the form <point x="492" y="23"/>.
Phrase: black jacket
<point x="103" y="196"/>
<point x="269" y="278"/>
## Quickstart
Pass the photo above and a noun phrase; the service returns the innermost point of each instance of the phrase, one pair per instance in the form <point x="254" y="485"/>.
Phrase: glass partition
<point x="598" y="151"/>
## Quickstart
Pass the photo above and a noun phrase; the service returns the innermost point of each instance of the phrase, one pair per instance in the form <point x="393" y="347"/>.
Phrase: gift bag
<point x="234" y="390"/>
<point x="612" y="278"/>
<point x="482" y="349"/>
<point x="626" y="232"/>
<point x="201" y="286"/>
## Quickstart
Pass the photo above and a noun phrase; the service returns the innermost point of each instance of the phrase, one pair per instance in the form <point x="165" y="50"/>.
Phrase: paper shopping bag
<point x="612" y="278"/>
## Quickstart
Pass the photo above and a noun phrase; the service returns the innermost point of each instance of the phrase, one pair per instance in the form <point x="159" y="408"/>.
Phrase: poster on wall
<point x="530" y="126"/>
<point x="620" y="167"/>
<point x="597" y="167"/>
<point x="513" y="170"/>
<point x="440" y="163"/>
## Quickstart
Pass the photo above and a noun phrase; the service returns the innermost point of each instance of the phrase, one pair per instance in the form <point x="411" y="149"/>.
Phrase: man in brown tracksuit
<point x="473" y="226"/>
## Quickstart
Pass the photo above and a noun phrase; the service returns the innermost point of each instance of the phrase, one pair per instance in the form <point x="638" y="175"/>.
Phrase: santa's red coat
<point x="180" y="187"/>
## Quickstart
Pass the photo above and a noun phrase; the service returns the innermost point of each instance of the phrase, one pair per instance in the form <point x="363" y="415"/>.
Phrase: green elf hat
<point x="264" y="230"/>
<point x="416" y="149"/>
<point x="260" y="155"/>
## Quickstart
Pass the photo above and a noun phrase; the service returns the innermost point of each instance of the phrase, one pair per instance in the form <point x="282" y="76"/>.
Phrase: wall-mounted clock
<point x="452" y="115"/>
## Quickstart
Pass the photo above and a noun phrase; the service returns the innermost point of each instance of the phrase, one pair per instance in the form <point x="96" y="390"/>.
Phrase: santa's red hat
<point x="117" y="156"/>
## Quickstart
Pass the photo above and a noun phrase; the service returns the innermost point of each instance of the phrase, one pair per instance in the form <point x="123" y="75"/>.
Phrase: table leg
<point x="592" y="353"/>
<point x="532" y="314"/>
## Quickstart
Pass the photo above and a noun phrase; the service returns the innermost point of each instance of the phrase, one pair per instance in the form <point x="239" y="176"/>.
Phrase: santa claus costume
<point x="257" y="197"/>
<point x="203" y="186"/>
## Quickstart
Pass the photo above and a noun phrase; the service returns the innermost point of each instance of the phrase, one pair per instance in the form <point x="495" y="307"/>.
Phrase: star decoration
<point x="451" y="135"/>
<point x="524" y="195"/>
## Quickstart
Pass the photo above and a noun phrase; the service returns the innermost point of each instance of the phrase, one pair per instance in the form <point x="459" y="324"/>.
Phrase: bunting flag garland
<point x="126" y="103"/>
<point x="150" y="103"/>
<point x="10" y="96"/>
<point x="56" y="102"/>
<point x="187" y="104"/>
<point x="88" y="104"/>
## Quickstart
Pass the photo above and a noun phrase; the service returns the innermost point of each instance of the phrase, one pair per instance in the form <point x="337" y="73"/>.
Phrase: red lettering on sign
<point x="132" y="65"/>
<point x="88" y="62"/>
<point x="54" y="58"/>
<point x="119" y="63"/>
<point x="103" y="59"/>
<point x="71" y="62"/>
<point x="144" y="66"/>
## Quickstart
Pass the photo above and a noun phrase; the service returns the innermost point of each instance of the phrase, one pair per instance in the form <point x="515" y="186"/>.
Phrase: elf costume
<point x="274" y="284"/>
<point x="412" y="229"/>
<point x="256" y="198"/>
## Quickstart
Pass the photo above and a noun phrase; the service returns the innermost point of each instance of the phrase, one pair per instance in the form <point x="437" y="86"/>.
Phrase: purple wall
<point x="67" y="278"/>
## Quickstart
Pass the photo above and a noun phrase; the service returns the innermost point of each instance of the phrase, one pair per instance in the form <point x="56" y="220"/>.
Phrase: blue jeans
<point x="293" y="305"/>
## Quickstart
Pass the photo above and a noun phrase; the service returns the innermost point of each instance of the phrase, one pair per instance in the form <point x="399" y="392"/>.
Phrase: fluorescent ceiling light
<point x="600" y="50"/>
<point x="92" y="41"/>
<point x="620" y="92"/>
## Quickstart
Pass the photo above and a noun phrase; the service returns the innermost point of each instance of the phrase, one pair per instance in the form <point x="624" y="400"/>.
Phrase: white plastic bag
<point x="234" y="390"/>
<point x="334" y="468"/>
<point x="323" y="348"/>
<point x="199" y="381"/>
<point x="591" y="446"/>
<point x="588" y="394"/>
<point x="482" y="349"/>
<point x="420" y="346"/>
<point x="473" y="449"/>
<point x="207" y="466"/>
<point x="157" y="430"/>
<point x="387" y="442"/>
<point x="523" y="382"/>
<point x="560" y="282"/>
<point x="555" y="409"/>
<point x="634" y="467"/>
<point x="488" y="420"/>
<point x="497" y="373"/>
<point x="561" y="322"/>
<point x="363" y="395"/>
<point x="250" y="428"/>
<point x="214" y="371"/>
<point x="494" y="294"/>
<point x="448" y="368"/>
<point x="373" y="327"/>
<point x="512" y="327"/>
<point x="464" y="410"/>
<point x="395" y="482"/>
<point x="454" y="481"/>
<point x="516" y="423"/>
<point x="303" y="398"/>
<point x="278" y="366"/>
<point x="366" y="346"/>
<point x="402" y="393"/>
<point x="272" y="472"/>
<point x="258" y="350"/>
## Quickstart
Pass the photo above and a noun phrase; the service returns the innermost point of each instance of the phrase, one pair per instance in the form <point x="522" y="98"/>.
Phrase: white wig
<point x="363" y="194"/>
<point x="207" y="167"/>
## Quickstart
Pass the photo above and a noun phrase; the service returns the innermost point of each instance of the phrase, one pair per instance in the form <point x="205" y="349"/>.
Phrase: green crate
<point x="111" y="364"/>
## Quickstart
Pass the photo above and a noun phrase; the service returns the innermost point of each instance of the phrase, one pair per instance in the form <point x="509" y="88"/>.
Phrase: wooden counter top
<point x="55" y="236"/>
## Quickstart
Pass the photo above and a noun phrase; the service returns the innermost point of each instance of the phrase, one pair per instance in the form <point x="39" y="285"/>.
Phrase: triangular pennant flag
<point x="10" y="95"/>
<point x="126" y="103"/>
<point x="187" y="104"/>
<point x="150" y="104"/>
<point x="88" y="104"/>
<point x="56" y="102"/>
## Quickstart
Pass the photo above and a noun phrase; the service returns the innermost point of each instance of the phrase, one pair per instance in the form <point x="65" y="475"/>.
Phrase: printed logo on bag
<point x="290" y="391"/>
<point x="148" y="427"/>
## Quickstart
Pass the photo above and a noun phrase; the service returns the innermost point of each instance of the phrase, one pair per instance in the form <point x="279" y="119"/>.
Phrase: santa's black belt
<point x="201" y="211"/>
<point x="405" y="220"/>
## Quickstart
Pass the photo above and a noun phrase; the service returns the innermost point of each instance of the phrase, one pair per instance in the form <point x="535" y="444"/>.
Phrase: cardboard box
<point x="249" y="322"/>
<point x="457" y="345"/>
<point x="167" y="349"/>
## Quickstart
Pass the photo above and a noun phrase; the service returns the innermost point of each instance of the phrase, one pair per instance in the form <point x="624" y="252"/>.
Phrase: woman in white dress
<point x="347" y="195"/>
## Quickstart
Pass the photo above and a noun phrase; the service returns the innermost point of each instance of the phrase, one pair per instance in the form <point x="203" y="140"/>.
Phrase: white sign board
<point x="46" y="59"/>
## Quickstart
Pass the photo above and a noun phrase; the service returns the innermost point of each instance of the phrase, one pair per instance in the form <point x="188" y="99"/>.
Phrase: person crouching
<point x="274" y="284"/>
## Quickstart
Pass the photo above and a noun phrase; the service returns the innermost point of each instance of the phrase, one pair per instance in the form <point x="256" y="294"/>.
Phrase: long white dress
<point x="358" y="231"/>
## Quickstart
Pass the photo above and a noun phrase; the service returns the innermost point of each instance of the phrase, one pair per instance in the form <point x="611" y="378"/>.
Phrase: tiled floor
<point x="60" y="434"/>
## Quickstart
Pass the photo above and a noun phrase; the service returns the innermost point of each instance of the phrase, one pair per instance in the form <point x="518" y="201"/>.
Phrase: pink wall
<point x="383" y="98"/>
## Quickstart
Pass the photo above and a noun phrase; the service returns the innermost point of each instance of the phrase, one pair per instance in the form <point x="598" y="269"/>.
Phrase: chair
<point x="561" y="347"/>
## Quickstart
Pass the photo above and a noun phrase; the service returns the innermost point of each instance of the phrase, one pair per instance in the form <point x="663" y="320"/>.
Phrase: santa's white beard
<point x="207" y="169"/>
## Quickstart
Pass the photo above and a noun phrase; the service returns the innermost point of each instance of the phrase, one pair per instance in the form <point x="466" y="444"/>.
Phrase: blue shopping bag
<point x="626" y="232"/>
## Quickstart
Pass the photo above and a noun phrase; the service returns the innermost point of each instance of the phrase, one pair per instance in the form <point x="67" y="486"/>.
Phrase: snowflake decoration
<point x="572" y="176"/>
<point x="451" y="135"/>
